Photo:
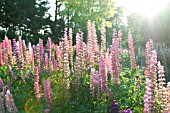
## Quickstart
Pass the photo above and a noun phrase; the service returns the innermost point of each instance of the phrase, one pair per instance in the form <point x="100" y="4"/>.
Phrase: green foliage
<point x="129" y="94"/>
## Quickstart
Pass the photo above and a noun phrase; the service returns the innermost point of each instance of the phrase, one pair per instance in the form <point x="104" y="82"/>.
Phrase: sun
<point x="146" y="7"/>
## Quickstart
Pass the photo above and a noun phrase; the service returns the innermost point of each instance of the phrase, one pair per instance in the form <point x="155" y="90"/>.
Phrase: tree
<point x="24" y="17"/>
<point x="57" y="26"/>
<point x="77" y="12"/>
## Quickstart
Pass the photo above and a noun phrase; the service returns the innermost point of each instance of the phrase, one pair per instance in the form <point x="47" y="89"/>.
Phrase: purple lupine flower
<point x="28" y="74"/>
<point x="126" y="111"/>
<point x="48" y="92"/>
<point x="47" y="111"/>
<point x="114" y="107"/>
<point x="9" y="83"/>
<point x="11" y="72"/>
<point x="2" y="103"/>
<point x="10" y="105"/>
<point x="15" y="47"/>
<point x="1" y="83"/>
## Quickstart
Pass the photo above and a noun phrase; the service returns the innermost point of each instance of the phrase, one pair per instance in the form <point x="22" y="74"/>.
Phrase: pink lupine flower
<point x="48" y="93"/>
<point x="131" y="52"/>
<point x="6" y="50"/>
<point x="66" y="72"/>
<point x="41" y="52"/>
<point x="30" y="52"/>
<point x="95" y="41"/>
<point x="1" y="57"/>
<point x="20" y="45"/>
<point x="10" y="52"/>
<point x="25" y="54"/>
<point x="51" y="66"/>
<point x="59" y="56"/>
<point x="70" y="46"/>
<point x="148" y="51"/>
<point x="36" y="83"/>
<point x="148" y="97"/>
<point x="115" y="63"/>
<point x="79" y="65"/>
<point x="90" y="44"/>
<point x="10" y="105"/>
<point x="168" y="96"/>
<point x="162" y="90"/>
<point x="46" y="61"/>
<point x="150" y="72"/>
<point x="66" y="42"/>
<point x="102" y="73"/>
<point x="49" y="48"/>
<point x="37" y="56"/>
<point x="94" y="80"/>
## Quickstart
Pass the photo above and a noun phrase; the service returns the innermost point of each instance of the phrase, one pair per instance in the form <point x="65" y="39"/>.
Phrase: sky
<point x="52" y="9"/>
<point x="145" y="7"/>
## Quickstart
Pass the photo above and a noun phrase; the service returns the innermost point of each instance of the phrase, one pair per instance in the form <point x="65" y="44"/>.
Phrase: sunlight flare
<point x="146" y="7"/>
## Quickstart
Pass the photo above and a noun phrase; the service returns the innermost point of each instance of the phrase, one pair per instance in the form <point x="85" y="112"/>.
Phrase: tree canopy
<point x="77" y="12"/>
<point x="22" y="16"/>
